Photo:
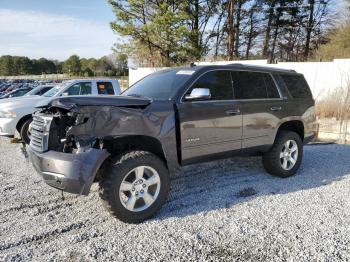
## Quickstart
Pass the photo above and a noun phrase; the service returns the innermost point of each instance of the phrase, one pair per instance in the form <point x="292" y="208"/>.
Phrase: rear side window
<point x="105" y="88"/>
<point x="253" y="85"/>
<point x="297" y="86"/>
<point x="219" y="84"/>
<point x="83" y="88"/>
<point x="271" y="89"/>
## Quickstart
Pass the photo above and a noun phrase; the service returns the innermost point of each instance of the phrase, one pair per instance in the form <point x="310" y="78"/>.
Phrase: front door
<point x="213" y="126"/>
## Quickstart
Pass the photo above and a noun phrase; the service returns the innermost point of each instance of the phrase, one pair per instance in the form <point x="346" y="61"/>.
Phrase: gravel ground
<point x="225" y="210"/>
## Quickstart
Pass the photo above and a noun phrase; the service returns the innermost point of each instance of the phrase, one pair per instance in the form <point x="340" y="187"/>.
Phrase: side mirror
<point x="65" y="94"/>
<point x="199" y="94"/>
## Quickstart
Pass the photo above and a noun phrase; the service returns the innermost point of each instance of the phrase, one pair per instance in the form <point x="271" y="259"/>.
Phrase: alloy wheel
<point x="289" y="155"/>
<point x="139" y="188"/>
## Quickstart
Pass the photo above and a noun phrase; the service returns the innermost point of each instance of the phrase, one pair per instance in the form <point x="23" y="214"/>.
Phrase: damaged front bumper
<point x="73" y="173"/>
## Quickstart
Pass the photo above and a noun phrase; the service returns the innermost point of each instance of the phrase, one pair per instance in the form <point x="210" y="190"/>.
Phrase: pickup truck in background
<point x="132" y="143"/>
<point x="16" y="113"/>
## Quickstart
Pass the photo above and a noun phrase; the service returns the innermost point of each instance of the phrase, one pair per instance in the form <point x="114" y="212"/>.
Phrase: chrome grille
<point x="39" y="132"/>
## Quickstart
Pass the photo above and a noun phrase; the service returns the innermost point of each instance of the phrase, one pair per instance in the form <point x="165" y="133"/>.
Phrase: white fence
<point x="323" y="77"/>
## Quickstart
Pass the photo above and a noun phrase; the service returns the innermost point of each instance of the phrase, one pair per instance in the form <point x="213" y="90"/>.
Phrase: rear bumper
<point x="8" y="126"/>
<point x="73" y="173"/>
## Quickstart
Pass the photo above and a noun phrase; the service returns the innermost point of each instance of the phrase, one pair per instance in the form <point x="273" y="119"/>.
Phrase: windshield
<point x="56" y="89"/>
<point x="162" y="85"/>
<point x="34" y="91"/>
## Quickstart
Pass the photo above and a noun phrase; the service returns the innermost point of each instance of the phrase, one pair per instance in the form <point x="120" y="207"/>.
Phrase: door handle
<point x="233" y="112"/>
<point x="276" y="108"/>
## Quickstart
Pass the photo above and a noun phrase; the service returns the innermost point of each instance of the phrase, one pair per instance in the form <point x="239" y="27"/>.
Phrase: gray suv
<point x="132" y="143"/>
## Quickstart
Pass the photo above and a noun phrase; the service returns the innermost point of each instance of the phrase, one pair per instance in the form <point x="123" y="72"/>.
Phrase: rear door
<point x="261" y="105"/>
<point x="212" y="126"/>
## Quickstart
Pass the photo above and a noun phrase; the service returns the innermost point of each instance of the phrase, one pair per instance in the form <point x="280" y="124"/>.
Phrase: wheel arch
<point x="22" y="121"/>
<point x="295" y="125"/>
<point x="122" y="144"/>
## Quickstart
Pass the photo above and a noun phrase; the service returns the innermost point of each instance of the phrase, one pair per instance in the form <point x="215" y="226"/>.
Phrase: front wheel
<point x="285" y="156"/>
<point x="25" y="132"/>
<point x="135" y="186"/>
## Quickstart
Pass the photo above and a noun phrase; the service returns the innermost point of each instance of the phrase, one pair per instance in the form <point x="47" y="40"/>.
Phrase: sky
<point x="56" y="29"/>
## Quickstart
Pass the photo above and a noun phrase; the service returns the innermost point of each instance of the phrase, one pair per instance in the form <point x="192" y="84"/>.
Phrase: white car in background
<point x="16" y="113"/>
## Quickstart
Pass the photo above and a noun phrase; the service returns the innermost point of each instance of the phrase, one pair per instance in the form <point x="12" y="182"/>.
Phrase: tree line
<point x="338" y="39"/>
<point x="114" y="65"/>
<point x="173" y="32"/>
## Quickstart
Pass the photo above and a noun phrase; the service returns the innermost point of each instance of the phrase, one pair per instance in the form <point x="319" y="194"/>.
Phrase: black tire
<point x="272" y="160"/>
<point x="114" y="175"/>
<point x="24" y="131"/>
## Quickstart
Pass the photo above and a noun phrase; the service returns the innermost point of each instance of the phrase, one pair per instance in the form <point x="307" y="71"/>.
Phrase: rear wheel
<point x="135" y="186"/>
<point x="285" y="156"/>
<point x="25" y="132"/>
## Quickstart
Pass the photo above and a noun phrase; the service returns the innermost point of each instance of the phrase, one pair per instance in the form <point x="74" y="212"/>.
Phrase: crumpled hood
<point x="21" y="102"/>
<point x="73" y="102"/>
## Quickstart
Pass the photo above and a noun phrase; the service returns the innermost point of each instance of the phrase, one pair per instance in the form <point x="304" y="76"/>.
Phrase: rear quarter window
<point x="297" y="86"/>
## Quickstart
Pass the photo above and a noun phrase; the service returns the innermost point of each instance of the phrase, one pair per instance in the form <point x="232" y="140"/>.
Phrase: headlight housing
<point x="7" y="114"/>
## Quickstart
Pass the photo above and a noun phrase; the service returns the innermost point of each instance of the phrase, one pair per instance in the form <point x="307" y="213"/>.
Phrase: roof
<point x="235" y="66"/>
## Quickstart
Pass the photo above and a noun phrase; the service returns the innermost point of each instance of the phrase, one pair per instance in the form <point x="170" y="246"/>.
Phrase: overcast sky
<point x="56" y="29"/>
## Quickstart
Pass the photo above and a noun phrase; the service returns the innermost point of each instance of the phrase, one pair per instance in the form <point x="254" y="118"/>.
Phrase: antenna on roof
<point x="192" y="64"/>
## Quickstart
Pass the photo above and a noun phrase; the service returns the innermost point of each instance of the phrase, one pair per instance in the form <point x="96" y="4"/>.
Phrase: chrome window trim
<point x="239" y="100"/>
<point x="182" y="100"/>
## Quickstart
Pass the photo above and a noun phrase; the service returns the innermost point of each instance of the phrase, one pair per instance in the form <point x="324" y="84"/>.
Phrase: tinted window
<point x="281" y="84"/>
<point x="218" y="82"/>
<point x="162" y="85"/>
<point x="85" y="88"/>
<point x="297" y="86"/>
<point x="73" y="90"/>
<point x="271" y="89"/>
<point x="79" y="89"/>
<point x="105" y="88"/>
<point x="253" y="85"/>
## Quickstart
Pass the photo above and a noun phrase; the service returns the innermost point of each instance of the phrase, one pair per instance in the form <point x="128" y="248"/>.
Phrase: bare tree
<point x="271" y="10"/>
<point x="239" y="14"/>
<point x="309" y="29"/>
<point x="231" y="30"/>
<point x="252" y="25"/>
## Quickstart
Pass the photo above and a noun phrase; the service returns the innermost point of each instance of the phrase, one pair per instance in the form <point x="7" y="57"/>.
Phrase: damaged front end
<point x="64" y="161"/>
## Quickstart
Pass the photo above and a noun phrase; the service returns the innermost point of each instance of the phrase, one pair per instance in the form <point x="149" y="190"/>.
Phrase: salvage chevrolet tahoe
<point x="132" y="143"/>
